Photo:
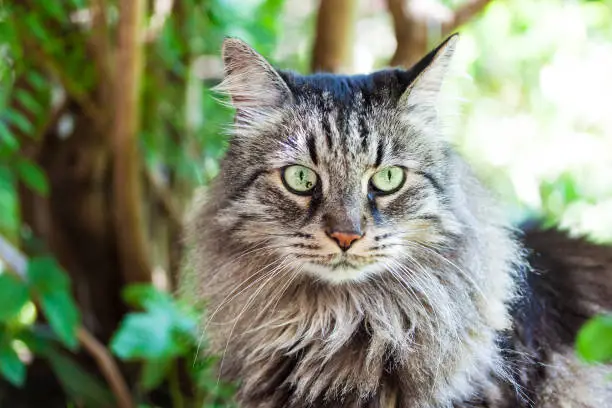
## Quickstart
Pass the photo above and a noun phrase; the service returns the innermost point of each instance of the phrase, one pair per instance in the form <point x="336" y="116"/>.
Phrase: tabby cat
<point x="350" y="258"/>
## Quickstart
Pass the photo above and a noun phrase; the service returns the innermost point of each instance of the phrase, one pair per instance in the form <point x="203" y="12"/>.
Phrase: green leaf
<point x="11" y="367"/>
<point x="594" y="341"/>
<point x="145" y="335"/>
<point x="35" y="27"/>
<point x="63" y="316"/>
<point x="78" y="383"/>
<point x="20" y="121"/>
<point x="13" y="296"/>
<point x="33" y="176"/>
<point x="28" y="101"/>
<point x="54" y="9"/>
<point x="154" y="372"/>
<point x="7" y="138"/>
<point x="141" y="295"/>
<point x="52" y="286"/>
<point x="163" y="331"/>
<point x="37" y="81"/>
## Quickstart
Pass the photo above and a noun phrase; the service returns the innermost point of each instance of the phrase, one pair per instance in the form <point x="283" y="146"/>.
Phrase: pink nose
<point x="344" y="239"/>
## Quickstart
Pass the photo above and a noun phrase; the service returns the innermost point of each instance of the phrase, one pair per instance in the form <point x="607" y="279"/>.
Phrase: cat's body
<point x="328" y="291"/>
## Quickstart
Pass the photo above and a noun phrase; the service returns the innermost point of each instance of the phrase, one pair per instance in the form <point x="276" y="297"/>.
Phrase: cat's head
<point x="338" y="176"/>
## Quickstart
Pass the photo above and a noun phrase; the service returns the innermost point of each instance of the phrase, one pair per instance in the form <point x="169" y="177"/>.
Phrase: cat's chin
<point x="341" y="272"/>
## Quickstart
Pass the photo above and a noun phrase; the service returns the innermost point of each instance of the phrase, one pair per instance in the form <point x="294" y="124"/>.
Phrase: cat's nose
<point x="344" y="239"/>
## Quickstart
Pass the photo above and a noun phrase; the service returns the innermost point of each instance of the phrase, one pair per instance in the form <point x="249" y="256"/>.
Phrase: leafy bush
<point x="162" y="337"/>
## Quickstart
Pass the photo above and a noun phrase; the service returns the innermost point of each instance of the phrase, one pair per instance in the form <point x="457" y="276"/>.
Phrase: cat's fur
<point x="433" y="307"/>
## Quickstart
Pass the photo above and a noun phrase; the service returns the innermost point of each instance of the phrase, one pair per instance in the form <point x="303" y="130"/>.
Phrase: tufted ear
<point x="431" y="70"/>
<point x="251" y="82"/>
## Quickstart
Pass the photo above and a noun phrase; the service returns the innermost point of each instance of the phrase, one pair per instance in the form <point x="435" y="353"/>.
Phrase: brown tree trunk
<point x="333" y="42"/>
<point x="75" y="222"/>
<point x="410" y="33"/>
<point x="128" y="212"/>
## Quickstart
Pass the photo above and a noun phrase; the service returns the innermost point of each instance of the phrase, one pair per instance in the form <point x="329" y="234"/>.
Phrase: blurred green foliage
<point x="594" y="342"/>
<point x="162" y="336"/>
<point x="42" y="57"/>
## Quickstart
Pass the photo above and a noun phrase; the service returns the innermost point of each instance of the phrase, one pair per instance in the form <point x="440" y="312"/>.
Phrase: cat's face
<point x="340" y="177"/>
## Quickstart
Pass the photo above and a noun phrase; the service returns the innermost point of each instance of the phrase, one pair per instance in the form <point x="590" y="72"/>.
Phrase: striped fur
<point x="412" y="315"/>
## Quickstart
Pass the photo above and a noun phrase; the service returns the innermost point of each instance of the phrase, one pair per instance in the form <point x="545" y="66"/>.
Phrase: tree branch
<point x="107" y="366"/>
<point x="17" y="264"/>
<point x="411" y="34"/>
<point x="129" y="226"/>
<point x="463" y="14"/>
<point x="163" y="196"/>
<point x="100" y="45"/>
<point x="333" y="35"/>
<point x="412" y="20"/>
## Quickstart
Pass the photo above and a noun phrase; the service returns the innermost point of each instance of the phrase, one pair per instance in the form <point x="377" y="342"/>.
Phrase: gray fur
<point x="412" y="318"/>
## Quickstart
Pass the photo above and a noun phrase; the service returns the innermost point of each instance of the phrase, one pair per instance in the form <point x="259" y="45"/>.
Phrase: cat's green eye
<point x="299" y="179"/>
<point x="388" y="180"/>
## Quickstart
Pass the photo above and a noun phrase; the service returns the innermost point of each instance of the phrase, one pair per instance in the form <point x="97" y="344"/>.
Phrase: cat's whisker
<point x="429" y="279"/>
<point x="233" y="293"/>
<point x="287" y="285"/>
<point x="457" y="268"/>
<point x="248" y="303"/>
<point x="408" y="287"/>
<point x="437" y="322"/>
<point x="419" y="246"/>
<point x="420" y="287"/>
<point x="286" y="270"/>
<point x="225" y="302"/>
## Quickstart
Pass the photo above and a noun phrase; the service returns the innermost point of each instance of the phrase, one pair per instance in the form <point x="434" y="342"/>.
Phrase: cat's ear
<point x="424" y="90"/>
<point x="250" y="81"/>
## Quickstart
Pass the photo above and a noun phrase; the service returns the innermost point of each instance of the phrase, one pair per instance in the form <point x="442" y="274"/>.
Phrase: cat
<point x="350" y="258"/>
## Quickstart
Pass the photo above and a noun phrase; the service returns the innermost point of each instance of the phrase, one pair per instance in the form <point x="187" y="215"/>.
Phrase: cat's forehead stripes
<point x="337" y="127"/>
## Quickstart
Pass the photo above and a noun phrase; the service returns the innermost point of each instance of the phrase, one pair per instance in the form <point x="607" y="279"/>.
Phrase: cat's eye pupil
<point x="388" y="180"/>
<point x="298" y="179"/>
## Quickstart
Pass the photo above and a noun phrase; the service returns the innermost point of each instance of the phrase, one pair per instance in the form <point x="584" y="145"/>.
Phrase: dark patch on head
<point x="378" y="88"/>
